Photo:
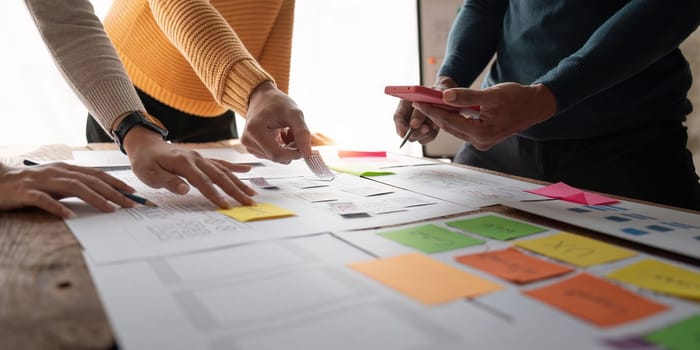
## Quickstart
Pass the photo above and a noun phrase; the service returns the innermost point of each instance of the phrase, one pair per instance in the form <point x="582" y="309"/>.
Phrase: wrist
<point x="140" y="137"/>
<point x="263" y="89"/>
<point x="546" y="101"/>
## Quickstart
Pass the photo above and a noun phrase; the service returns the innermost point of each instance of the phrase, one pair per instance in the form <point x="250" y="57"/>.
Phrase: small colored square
<point x="596" y="300"/>
<point x="634" y="231"/>
<point x="496" y="227"/>
<point x="512" y="265"/>
<point x="683" y="335"/>
<point x="430" y="238"/>
<point x="617" y="218"/>
<point x="425" y="279"/>
<point x="659" y="228"/>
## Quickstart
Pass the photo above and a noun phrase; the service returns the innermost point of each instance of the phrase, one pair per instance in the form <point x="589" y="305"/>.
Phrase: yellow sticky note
<point x="260" y="211"/>
<point x="577" y="250"/>
<point x="425" y="279"/>
<point x="660" y="277"/>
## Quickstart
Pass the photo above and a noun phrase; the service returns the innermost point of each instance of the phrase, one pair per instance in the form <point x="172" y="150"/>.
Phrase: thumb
<point x="464" y="97"/>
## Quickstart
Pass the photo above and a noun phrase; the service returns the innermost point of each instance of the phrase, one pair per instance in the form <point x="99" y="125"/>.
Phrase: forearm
<point x="85" y="56"/>
<point x="626" y="44"/>
<point x="473" y="39"/>
<point x="215" y="51"/>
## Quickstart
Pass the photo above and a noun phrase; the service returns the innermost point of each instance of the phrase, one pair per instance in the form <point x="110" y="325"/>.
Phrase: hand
<point x="506" y="109"/>
<point x="43" y="185"/>
<point x="275" y="127"/>
<point x="406" y="117"/>
<point x="162" y="165"/>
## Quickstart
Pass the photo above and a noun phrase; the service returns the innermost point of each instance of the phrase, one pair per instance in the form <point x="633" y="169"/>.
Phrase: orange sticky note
<point x="596" y="301"/>
<point x="512" y="265"/>
<point x="259" y="211"/>
<point x="425" y="279"/>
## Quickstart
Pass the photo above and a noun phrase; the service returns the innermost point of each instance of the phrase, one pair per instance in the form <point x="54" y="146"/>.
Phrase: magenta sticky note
<point x="565" y="192"/>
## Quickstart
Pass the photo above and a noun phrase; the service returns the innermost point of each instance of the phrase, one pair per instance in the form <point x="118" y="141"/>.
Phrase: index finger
<point x="302" y="138"/>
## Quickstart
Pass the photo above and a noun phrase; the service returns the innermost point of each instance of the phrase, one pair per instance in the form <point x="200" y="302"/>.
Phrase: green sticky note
<point x="359" y="170"/>
<point x="684" y="335"/>
<point x="430" y="238"/>
<point x="496" y="227"/>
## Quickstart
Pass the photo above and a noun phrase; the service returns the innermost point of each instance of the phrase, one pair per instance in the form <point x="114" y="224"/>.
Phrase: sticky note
<point x="565" y="192"/>
<point x="683" y="335"/>
<point x="596" y="301"/>
<point x="512" y="265"/>
<point x="425" y="279"/>
<point x="496" y="227"/>
<point x="360" y="170"/>
<point x="660" y="277"/>
<point x="361" y="154"/>
<point x="574" y="249"/>
<point x="260" y="211"/>
<point x="430" y="238"/>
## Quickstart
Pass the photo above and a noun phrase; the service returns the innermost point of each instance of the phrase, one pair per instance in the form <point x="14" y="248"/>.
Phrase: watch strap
<point x="133" y="119"/>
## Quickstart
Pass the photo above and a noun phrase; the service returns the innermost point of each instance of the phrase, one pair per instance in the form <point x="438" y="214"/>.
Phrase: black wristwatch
<point x="130" y="120"/>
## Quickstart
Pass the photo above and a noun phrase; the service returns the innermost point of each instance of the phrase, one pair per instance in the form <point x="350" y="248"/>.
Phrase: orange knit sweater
<point x="203" y="56"/>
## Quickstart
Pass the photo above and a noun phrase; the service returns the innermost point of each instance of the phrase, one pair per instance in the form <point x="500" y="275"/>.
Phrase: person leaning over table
<point x="191" y="77"/>
<point x="592" y="93"/>
<point x="91" y="66"/>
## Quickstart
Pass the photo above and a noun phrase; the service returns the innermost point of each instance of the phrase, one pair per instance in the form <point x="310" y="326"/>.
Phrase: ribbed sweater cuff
<point x="243" y="78"/>
<point x="111" y="98"/>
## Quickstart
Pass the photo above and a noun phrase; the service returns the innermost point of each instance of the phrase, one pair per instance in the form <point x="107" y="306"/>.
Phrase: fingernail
<point x="183" y="188"/>
<point x="223" y="203"/>
<point x="69" y="215"/>
<point x="449" y="96"/>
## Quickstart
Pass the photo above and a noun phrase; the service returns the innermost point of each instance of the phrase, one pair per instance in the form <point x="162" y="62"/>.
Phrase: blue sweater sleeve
<point x="639" y="34"/>
<point x="473" y="39"/>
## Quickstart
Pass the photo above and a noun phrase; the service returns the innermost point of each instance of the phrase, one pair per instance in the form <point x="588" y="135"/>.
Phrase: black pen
<point x="133" y="197"/>
<point x="405" y="137"/>
<point x="138" y="199"/>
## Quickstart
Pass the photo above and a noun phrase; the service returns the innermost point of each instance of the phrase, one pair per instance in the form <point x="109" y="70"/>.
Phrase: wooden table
<point x="47" y="298"/>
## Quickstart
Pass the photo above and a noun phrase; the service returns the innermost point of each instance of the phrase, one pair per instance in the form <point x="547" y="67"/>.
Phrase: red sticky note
<point x="512" y="265"/>
<point x="565" y="192"/>
<point x="373" y="154"/>
<point x="596" y="300"/>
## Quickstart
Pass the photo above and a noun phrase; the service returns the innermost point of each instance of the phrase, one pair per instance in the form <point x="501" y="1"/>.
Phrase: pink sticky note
<point x="565" y="192"/>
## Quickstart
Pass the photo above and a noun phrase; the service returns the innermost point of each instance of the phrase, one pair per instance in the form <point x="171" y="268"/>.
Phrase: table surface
<point x="47" y="298"/>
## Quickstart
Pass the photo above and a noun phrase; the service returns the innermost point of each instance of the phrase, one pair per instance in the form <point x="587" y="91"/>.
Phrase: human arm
<point x="622" y="46"/>
<point x="43" y="185"/>
<point x="87" y="59"/>
<point x="234" y="77"/>
<point x="636" y="36"/>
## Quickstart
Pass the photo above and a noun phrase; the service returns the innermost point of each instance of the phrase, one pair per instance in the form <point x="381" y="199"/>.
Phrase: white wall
<point x="344" y="53"/>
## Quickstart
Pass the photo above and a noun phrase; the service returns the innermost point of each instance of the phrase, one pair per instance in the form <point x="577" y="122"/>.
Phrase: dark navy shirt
<point x="613" y="65"/>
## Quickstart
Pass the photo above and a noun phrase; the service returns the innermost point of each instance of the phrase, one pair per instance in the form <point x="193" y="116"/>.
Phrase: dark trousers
<point x="651" y="164"/>
<point x="182" y="127"/>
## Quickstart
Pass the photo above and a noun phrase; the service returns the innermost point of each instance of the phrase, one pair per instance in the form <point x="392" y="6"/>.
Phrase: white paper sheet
<point x="298" y="294"/>
<point x="459" y="185"/>
<point x="188" y="223"/>
<point x="672" y="230"/>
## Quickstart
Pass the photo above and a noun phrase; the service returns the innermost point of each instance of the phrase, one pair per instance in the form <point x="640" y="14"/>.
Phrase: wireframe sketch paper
<point x="190" y="222"/>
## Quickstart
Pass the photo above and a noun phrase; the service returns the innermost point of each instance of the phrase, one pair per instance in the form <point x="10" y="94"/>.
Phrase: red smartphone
<point x="417" y="93"/>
